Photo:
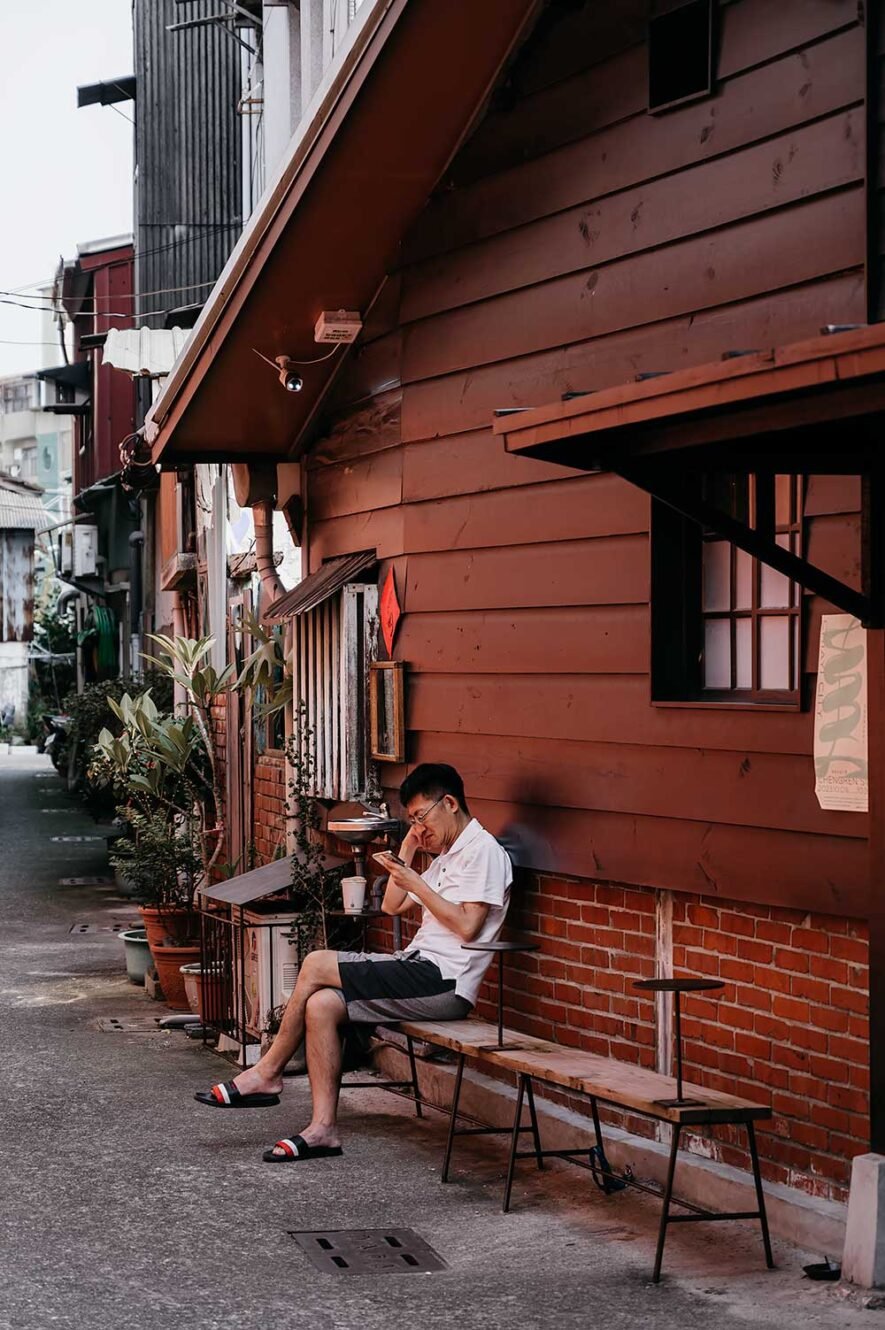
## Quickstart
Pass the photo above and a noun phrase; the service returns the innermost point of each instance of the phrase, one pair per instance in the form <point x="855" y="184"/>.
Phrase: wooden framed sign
<point x="387" y="711"/>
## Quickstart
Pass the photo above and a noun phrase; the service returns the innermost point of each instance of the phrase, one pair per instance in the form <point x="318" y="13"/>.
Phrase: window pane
<point x="783" y="508"/>
<point x="717" y="575"/>
<point x="797" y="668"/>
<point x="717" y="653"/>
<point x="774" y="652"/>
<point x="743" y="629"/>
<point x="743" y="598"/>
<point x="775" y="589"/>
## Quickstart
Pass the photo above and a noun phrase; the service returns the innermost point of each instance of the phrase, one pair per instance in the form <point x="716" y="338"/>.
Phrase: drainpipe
<point x="271" y="586"/>
<point x="179" y="629"/>
<point x="136" y="543"/>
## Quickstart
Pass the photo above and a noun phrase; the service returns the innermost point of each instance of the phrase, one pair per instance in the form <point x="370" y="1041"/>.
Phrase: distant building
<point x="21" y="515"/>
<point x="35" y="446"/>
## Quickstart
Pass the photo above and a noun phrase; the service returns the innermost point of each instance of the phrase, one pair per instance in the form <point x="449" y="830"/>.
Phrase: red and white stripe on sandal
<point x="221" y="1094"/>
<point x="288" y="1147"/>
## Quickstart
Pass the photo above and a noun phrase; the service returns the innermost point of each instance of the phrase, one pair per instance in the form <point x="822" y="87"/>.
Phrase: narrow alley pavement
<point x="124" y="1203"/>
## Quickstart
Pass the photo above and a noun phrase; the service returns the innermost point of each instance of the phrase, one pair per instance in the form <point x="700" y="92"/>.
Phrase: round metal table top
<point x="500" y="946"/>
<point x="686" y="985"/>
<point x="356" y="914"/>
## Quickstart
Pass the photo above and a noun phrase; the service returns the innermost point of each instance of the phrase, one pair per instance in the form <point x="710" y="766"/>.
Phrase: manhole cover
<point x="86" y="882"/>
<point x="112" y="925"/>
<point x="74" y="840"/>
<point x="68" y="812"/>
<point x="369" y="1251"/>
<point x="45" y="775"/>
<point x="129" y="1024"/>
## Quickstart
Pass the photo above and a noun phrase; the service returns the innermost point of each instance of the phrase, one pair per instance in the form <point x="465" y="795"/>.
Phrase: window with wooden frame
<point x="332" y="647"/>
<point x="726" y="628"/>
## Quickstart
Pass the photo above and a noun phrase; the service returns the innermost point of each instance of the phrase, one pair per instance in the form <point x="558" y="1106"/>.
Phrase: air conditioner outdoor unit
<point x="85" y="550"/>
<point x="271" y="963"/>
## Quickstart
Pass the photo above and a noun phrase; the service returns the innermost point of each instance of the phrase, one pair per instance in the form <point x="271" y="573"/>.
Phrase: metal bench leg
<point x="533" y="1118"/>
<point x="760" y="1196"/>
<point x="456" y="1095"/>
<point x="668" y="1192"/>
<point x="514" y="1141"/>
<point x="416" y="1091"/>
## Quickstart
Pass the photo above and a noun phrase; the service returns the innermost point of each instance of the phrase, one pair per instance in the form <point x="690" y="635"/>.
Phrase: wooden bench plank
<point x="606" y="1079"/>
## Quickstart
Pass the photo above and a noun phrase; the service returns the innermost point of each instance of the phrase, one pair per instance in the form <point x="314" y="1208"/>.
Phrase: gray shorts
<point x="381" y="988"/>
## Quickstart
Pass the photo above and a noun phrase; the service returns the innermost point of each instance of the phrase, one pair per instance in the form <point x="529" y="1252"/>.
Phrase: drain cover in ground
<point x="74" y="840"/>
<point x="86" y="882"/>
<point x="369" y="1251"/>
<point x="69" y="812"/>
<point x="116" y="924"/>
<point x="129" y="1024"/>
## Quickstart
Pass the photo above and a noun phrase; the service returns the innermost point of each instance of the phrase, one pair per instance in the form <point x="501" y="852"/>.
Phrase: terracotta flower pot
<point x="170" y="926"/>
<point x="169" y="961"/>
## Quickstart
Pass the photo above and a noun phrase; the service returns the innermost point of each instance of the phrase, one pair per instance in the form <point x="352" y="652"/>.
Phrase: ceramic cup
<point x="353" y="889"/>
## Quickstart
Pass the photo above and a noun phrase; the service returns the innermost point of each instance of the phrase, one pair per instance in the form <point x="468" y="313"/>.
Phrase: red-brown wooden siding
<point x="578" y="242"/>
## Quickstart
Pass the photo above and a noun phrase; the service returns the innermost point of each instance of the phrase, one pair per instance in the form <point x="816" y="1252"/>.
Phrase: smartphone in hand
<point x="381" y="855"/>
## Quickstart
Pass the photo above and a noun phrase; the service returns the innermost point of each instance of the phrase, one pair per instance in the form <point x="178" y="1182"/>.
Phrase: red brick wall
<point x="269" y="807"/>
<point x="789" y="1027"/>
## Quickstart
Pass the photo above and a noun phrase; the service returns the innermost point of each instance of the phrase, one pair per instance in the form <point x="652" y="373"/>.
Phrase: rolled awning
<point x="320" y="586"/>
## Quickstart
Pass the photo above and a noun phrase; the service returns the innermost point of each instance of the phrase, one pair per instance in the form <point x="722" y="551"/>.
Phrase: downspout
<point x="271" y="586"/>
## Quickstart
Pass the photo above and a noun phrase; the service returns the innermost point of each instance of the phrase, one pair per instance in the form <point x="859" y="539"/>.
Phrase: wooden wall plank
<point x="591" y="640"/>
<point x="567" y="509"/>
<point x="687" y="277"/>
<point x="576" y="106"/>
<point x="610" y="571"/>
<point x="690" y="784"/>
<point x="361" y="485"/>
<point x="367" y="427"/>
<point x="593" y="708"/>
<point x="381" y="530"/>
<point x="469" y="464"/>
<point x="803" y="87"/>
<point x="466" y="399"/>
<point x="821" y="873"/>
<point x="794" y="166"/>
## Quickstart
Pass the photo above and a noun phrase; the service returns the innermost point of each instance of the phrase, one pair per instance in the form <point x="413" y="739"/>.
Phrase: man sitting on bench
<point x="463" y="897"/>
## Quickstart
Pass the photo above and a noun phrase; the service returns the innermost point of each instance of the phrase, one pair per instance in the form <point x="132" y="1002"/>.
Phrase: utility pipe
<point x="271" y="586"/>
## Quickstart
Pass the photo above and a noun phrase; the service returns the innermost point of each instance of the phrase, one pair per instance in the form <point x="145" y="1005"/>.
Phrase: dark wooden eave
<point x="810" y="408"/>
<point x="328" y="230"/>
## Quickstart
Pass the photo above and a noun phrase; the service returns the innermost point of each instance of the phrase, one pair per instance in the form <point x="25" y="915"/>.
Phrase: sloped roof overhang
<point x="359" y="169"/>
<point x="811" y="408"/>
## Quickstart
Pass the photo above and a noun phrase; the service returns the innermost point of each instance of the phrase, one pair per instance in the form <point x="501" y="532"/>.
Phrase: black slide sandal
<point x="297" y="1149"/>
<point x="228" y="1096"/>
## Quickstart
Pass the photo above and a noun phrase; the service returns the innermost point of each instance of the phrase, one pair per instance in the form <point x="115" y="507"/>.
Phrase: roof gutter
<point x="358" y="55"/>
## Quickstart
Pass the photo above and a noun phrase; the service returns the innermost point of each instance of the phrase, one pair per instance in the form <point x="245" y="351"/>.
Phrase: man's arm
<point x="464" y="918"/>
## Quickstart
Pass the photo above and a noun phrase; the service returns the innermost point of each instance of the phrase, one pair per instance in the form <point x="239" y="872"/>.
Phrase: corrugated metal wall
<point x="188" y="203"/>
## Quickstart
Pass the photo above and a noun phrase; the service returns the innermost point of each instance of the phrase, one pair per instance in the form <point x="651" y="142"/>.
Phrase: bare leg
<point x="319" y="970"/>
<point x="325" y="1014"/>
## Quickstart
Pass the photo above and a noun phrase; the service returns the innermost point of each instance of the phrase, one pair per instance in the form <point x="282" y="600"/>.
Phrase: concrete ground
<point x="125" y="1203"/>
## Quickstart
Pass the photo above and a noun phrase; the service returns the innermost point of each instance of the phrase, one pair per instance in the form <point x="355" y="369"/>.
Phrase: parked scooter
<point x="54" y="741"/>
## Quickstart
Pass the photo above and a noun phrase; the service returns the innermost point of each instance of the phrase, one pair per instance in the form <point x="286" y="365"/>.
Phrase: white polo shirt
<point x="474" y="868"/>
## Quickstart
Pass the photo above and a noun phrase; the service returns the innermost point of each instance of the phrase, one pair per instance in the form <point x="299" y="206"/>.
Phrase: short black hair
<point x="433" y="780"/>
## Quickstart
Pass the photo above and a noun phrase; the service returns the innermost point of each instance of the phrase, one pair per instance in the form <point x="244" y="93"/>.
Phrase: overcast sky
<point x="66" y="173"/>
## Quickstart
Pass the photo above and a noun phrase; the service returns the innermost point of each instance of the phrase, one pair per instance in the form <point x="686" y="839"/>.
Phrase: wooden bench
<point x="602" y="1081"/>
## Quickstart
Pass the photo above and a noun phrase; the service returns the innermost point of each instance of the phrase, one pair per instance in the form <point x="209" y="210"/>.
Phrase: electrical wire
<point x="132" y="295"/>
<point x="316" y="361"/>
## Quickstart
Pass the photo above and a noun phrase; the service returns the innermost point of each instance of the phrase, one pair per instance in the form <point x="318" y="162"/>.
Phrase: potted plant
<point x="162" y="768"/>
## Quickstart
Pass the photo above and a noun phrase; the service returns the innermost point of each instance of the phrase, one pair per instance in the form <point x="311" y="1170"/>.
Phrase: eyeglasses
<point x="419" y="818"/>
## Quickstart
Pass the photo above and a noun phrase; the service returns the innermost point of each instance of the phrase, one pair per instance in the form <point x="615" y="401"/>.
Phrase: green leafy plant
<point x="90" y="713"/>
<point x="162" y="861"/>
<point x="265" y="671"/>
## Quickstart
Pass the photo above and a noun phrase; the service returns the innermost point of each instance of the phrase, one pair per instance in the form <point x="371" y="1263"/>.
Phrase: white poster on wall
<point x="840" y="716"/>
